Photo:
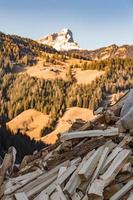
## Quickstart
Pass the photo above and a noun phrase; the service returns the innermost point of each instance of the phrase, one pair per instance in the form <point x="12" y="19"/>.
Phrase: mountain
<point x="109" y="52"/>
<point x="62" y="40"/>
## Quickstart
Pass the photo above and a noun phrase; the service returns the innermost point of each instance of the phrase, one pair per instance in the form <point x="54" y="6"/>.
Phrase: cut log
<point x="100" y="164"/>
<point x="61" y="171"/>
<point x="40" y="187"/>
<point x="54" y="196"/>
<point x="29" y="176"/>
<point x="76" y="161"/>
<point x="60" y="193"/>
<point x="42" y="196"/>
<point x="116" y="165"/>
<point x="90" y="133"/>
<point x="27" y="187"/>
<point x="127" y="120"/>
<point x="75" y="180"/>
<point x="8" y="163"/>
<point x="127" y="104"/>
<point x="111" y="158"/>
<point x="21" y="196"/>
<point x="66" y="174"/>
<point x="126" y="140"/>
<point x="88" y="168"/>
<point x="81" y="150"/>
<point x="96" y="190"/>
<point x="122" y="191"/>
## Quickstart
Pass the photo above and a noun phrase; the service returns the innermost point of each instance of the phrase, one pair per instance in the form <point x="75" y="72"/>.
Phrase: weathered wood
<point x="127" y="104"/>
<point x="81" y="150"/>
<point x="40" y="187"/>
<point x="76" y="161"/>
<point x="111" y="158"/>
<point x="60" y="193"/>
<point x="100" y="163"/>
<point x="21" y="196"/>
<point x="42" y="196"/>
<point x="8" y="163"/>
<point x="126" y="140"/>
<point x="61" y="171"/>
<point x="122" y="191"/>
<point x="96" y="190"/>
<point x="66" y="174"/>
<point x="54" y="196"/>
<point x="126" y="122"/>
<point x="29" y="176"/>
<point x="75" y="180"/>
<point x="88" y="168"/>
<point x="90" y="133"/>
<point x="116" y="108"/>
<point x="116" y="166"/>
<point x="27" y="186"/>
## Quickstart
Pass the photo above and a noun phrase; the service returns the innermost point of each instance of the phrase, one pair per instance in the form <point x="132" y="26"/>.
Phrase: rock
<point x="61" y="41"/>
<point x="128" y="104"/>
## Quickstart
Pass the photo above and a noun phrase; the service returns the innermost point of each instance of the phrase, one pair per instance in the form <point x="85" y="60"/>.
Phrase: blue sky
<point x="95" y="23"/>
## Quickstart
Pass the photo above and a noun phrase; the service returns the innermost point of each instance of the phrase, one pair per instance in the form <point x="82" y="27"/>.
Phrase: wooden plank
<point x="116" y="165"/>
<point x="76" y="161"/>
<point x="88" y="168"/>
<point x="61" y="171"/>
<point x="89" y="133"/>
<point x="54" y="196"/>
<point x="28" y="186"/>
<point x="60" y="193"/>
<point x="75" y="180"/>
<point x="29" y="176"/>
<point x="100" y="163"/>
<point x="42" y="196"/>
<point x="21" y="196"/>
<point x="118" y="195"/>
<point x="125" y="141"/>
<point x="66" y="174"/>
<point x="51" y="188"/>
<point x="15" y="187"/>
<point x="96" y="190"/>
<point x="82" y="150"/>
<point x="111" y="158"/>
<point x="40" y="187"/>
<point x="8" y="164"/>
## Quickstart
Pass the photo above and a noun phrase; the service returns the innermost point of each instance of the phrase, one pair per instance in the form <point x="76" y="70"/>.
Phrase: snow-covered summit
<point x="62" y="40"/>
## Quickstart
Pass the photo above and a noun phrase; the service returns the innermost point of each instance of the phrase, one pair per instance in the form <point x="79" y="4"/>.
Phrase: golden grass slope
<point x="66" y="121"/>
<point x="30" y="122"/>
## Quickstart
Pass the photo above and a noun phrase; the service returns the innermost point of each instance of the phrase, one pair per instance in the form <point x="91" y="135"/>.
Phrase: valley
<point x="39" y="84"/>
<point x="66" y="100"/>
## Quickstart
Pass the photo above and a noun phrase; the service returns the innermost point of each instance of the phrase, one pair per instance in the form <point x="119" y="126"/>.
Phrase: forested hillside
<point x="19" y="92"/>
<point x="18" y="50"/>
<point x="23" y="144"/>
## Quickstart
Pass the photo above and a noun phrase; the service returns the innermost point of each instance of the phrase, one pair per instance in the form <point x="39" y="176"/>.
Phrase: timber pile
<point x="94" y="162"/>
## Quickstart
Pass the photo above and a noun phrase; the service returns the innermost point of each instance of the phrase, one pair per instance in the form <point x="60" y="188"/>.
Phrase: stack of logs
<point x="92" y="162"/>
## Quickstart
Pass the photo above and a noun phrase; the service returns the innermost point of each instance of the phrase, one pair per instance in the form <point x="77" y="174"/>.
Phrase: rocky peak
<point x="62" y="40"/>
